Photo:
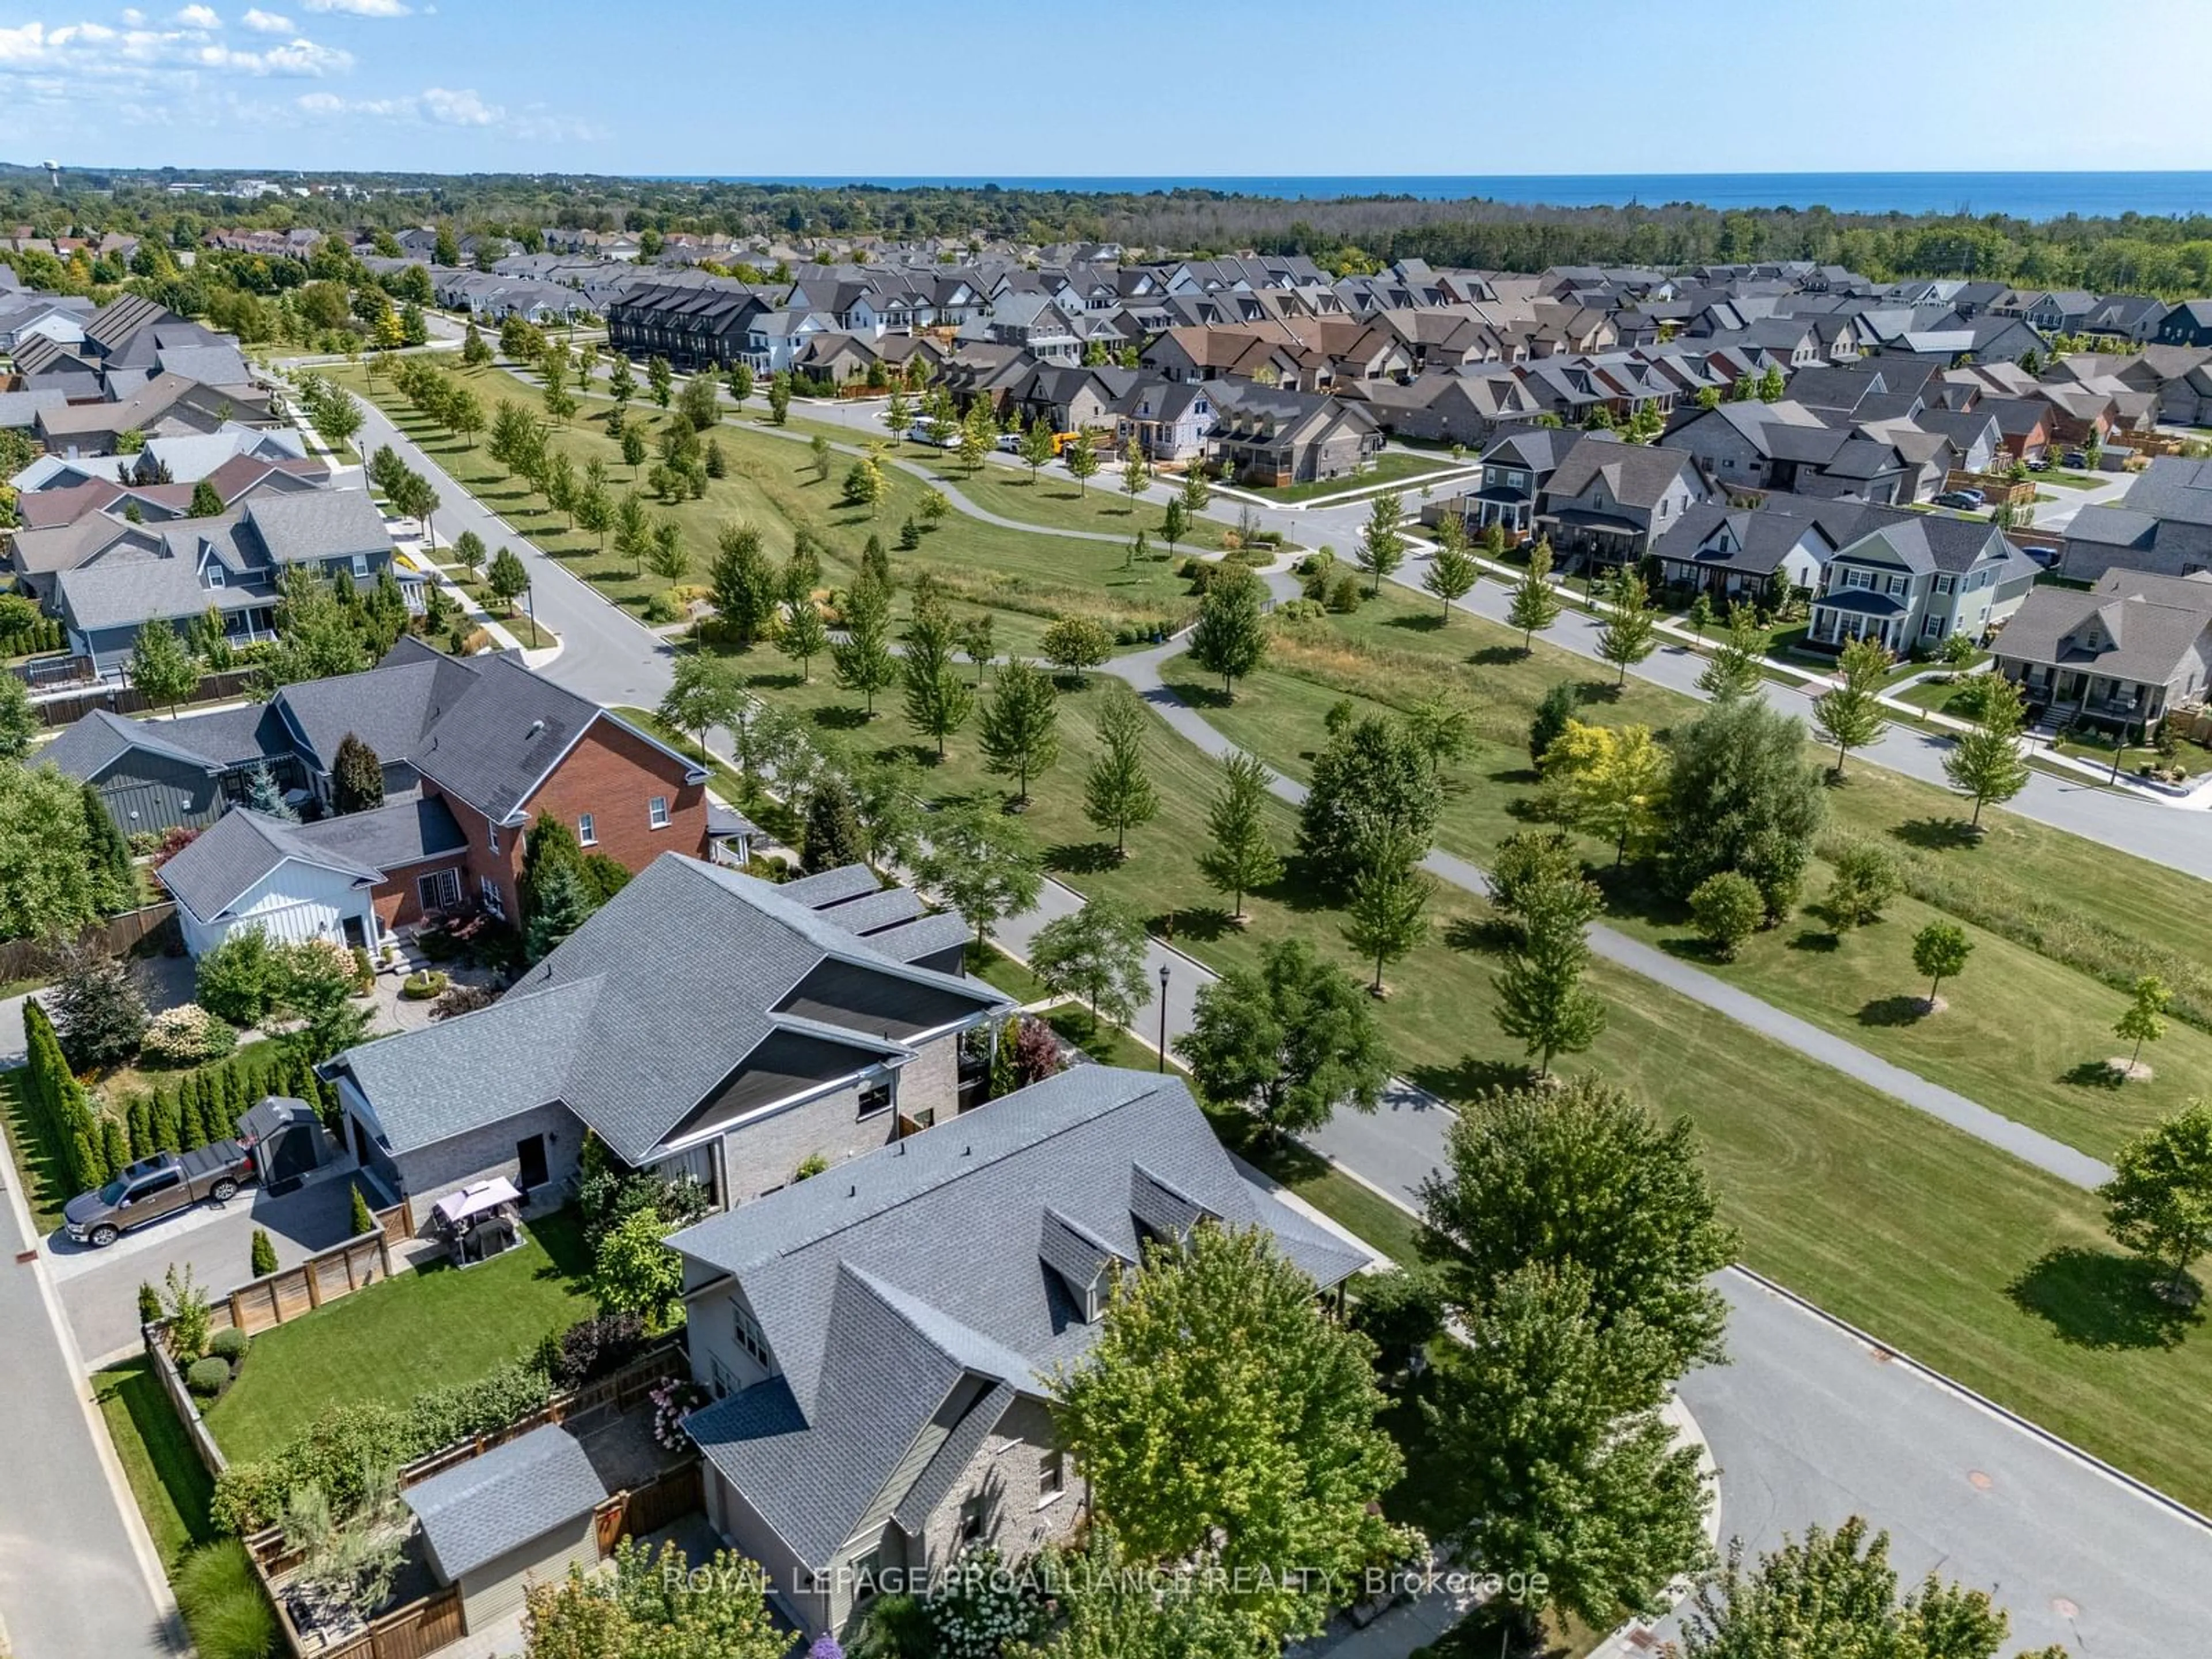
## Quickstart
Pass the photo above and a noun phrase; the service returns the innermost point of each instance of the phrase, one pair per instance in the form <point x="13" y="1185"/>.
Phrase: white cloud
<point x="94" y="51"/>
<point x="133" y="17"/>
<point x="435" y="106"/>
<point x="267" y="22"/>
<point x="459" y="109"/>
<point x="363" y="8"/>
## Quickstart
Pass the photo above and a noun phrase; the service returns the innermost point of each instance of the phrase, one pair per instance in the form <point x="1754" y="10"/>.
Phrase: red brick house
<point x="473" y="748"/>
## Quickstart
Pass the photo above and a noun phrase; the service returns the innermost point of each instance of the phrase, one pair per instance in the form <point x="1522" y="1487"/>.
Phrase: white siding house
<point x="295" y="901"/>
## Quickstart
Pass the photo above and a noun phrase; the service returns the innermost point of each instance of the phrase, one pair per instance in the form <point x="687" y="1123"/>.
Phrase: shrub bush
<point x="1726" y="909"/>
<point x="1344" y="594"/>
<point x="229" y="1344"/>
<point x="462" y="999"/>
<point x="595" y="1347"/>
<point x="421" y="987"/>
<point x="661" y="608"/>
<point x="1300" y="611"/>
<point x="150" y="1304"/>
<point x="187" y="1035"/>
<point x="263" y="1259"/>
<point x="222" y="1605"/>
<point x="205" y="1377"/>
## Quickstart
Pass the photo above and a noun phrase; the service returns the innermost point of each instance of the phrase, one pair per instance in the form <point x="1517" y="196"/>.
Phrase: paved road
<point x="1811" y="1425"/>
<point x="73" y="1579"/>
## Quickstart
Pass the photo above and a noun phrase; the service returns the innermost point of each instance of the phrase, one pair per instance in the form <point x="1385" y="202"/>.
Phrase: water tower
<point x="54" y="172"/>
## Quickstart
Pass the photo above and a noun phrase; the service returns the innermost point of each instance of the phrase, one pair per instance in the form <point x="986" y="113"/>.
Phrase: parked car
<point x="1010" y="443"/>
<point x="1965" y="500"/>
<point x="158" y="1186"/>
<point x="2040" y="464"/>
<point x="2076" y="458"/>
<point x="925" y="432"/>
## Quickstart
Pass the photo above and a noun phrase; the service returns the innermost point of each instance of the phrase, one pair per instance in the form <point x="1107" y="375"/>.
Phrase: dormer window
<point x="211" y="575"/>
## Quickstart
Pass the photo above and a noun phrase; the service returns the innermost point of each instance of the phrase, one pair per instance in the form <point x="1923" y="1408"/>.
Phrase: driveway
<point x="99" y="1289"/>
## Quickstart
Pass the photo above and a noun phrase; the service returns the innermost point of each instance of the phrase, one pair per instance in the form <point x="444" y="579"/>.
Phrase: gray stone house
<point x="2124" y="654"/>
<point x="1270" y="436"/>
<point x="702" y="1024"/>
<point x="879" y="1340"/>
<point x="2161" y="526"/>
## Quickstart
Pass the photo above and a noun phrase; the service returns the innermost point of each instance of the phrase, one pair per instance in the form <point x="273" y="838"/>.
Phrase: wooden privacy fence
<point x="123" y="700"/>
<point x="413" y="1631"/>
<point x="34" y="958"/>
<point x="615" y="1394"/>
<point x="258" y="1303"/>
<point x="648" y="1508"/>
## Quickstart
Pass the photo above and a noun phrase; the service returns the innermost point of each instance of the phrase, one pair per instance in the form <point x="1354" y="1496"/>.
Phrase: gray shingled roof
<point x="240" y="849"/>
<point x="2147" y="626"/>
<point x="318" y="524"/>
<point x="883" y="1284"/>
<point x="219" y="740"/>
<point x="477" y="1511"/>
<point x="687" y="947"/>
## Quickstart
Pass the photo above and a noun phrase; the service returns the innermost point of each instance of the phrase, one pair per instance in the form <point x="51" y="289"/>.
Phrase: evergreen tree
<point x="1118" y="793"/>
<point x="357" y="776"/>
<point x="550" y="846"/>
<point x="1536" y="603"/>
<point x="1020" y="729"/>
<point x="207" y="500"/>
<point x="563" y="904"/>
<point x="264" y="795"/>
<point x="114" y="882"/>
<point x="1553" y="715"/>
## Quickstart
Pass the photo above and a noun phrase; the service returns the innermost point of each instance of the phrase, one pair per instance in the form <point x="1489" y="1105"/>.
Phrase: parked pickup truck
<point x="155" y="1186"/>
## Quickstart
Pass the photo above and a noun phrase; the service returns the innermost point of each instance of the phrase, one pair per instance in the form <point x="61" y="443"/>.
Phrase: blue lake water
<point x="2022" y="195"/>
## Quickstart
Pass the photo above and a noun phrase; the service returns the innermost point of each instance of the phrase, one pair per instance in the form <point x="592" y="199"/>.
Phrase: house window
<point x="586" y="835"/>
<point x="724" y="1383"/>
<point x="214" y="575"/>
<point x="491" y="837"/>
<point x="975" y="1519"/>
<point x="656" y="811"/>
<point x="360" y="567"/>
<point x="440" y="890"/>
<point x="1052" y="1475"/>
<point x="494" y="903"/>
<point x="875" y="1097"/>
<point x="1943" y="584"/>
<point x="746" y="1331"/>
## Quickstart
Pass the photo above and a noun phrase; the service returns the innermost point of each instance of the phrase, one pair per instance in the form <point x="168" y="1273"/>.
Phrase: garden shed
<point x="287" y="1140"/>
<point x="522" y="1513"/>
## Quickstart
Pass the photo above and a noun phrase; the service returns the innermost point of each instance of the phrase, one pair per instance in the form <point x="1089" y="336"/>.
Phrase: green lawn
<point x="1394" y="467"/>
<point x="772" y="484"/>
<point x="166" y="1476"/>
<point x="427" y="1329"/>
<point x="1058" y="500"/>
<point x="2070" y="480"/>
<point x="994" y="967"/>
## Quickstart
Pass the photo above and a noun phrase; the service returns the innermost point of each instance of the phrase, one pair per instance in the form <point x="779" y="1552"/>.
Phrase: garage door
<point x="494" y="1591"/>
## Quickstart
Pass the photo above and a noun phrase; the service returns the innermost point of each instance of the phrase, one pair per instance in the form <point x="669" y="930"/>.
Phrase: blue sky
<point x="1201" y="86"/>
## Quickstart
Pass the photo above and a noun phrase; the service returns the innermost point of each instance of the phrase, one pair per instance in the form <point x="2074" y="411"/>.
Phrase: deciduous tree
<point x="162" y="670"/>
<point x="1370" y="780"/>
<point x="1742" y="798"/>
<point x="1536" y="603"/>
<point x="1223" y="1414"/>
<point x="863" y="658"/>
<point x="1985" y="765"/>
<point x="2144" y="1019"/>
<point x="983" y="863"/>
<point x="938" y="700"/>
<point x="1734" y="670"/>
<point x="1388" y="915"/>
<point x="744" y="585"/>
<point x="1117" y="792"/>
<point x="2158" y="1201"/>
<point x="1940" y="950"/>
<point x="703" y="694"/>
<point x="1848" y="714"/>
<point x="1382" y="541"/>
<point x="1609" y="781"/>
<point x="1020" y="727"/>
<point x="1096" y="953"/>
<point x="1295" y="1037"/>
<point x="1242" y="856"/>
<point x="1451" y="574"/>
<point x="1230" y="639"/>
<point x="1627" y="636"/>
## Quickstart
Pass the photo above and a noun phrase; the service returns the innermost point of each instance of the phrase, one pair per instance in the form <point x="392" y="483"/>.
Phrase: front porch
<point x="1593" y="540"/>
<point x="2078" y="696"/>
<point x="1856" y="614"/>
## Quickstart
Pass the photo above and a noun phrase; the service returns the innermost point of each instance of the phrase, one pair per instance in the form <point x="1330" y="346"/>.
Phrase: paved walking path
<point x="1142" y="670"/>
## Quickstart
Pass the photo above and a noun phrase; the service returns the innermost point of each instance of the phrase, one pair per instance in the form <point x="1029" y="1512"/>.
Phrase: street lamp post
<point x="1163" y="1017"/>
